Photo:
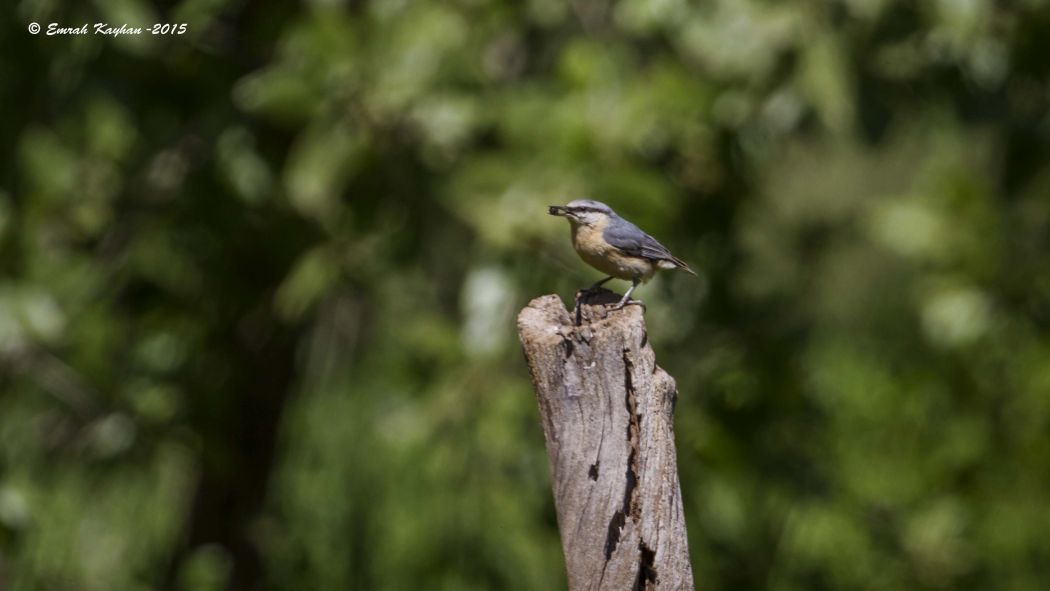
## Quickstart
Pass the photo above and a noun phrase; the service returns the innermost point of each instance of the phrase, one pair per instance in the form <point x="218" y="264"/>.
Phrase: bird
<point x="615" y="246"/>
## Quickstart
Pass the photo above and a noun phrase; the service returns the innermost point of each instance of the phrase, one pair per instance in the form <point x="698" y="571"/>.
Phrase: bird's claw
<point x="621" y="305"/>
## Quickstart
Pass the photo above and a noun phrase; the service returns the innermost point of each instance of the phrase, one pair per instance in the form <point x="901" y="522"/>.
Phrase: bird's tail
<point x="679" y="264"/>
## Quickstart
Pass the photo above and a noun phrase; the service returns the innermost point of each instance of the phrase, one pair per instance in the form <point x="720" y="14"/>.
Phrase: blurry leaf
<point x="15" y="512"/>
<point x="207" y="568"/>
<point x="154" y="402"/>
<point x="111" y="435"/>
<point x="935" y="540"/>
<point x="643" y="16"/>
<point x="739" y="39"/>
<point x="161" y="352"/>
<point x="50" y="166"/>
<point x="29" y="314"/>
<point x="133" y="14"/>
<point x="725" y="516"/>
<point x="242" y="166"/>
<point x="308" y="282"/>
<point x="446" y="123"/>
<point x="321" y="163"/>
<point x="487" y="302"/>
<point x="277" y="92"/>
<point x="198" y="12"/>
<point x="415" y="47"/>
<point x="826" y="80"/>
<point x="956" y="316"/>
<point x="111" y="132"/>
<point x="912" y="229"/>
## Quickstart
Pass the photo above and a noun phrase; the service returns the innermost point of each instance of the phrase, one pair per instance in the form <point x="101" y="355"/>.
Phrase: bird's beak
<point x="559" y="210"/>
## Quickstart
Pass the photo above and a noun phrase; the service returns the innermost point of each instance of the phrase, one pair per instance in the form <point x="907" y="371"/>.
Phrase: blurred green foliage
<point x="258" y="286"/>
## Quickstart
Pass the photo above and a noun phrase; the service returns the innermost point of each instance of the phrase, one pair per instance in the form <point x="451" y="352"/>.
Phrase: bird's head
<point x="584" y="212"/>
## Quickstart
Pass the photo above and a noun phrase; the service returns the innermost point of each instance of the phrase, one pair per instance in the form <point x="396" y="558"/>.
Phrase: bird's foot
<point x="622" y="303"/>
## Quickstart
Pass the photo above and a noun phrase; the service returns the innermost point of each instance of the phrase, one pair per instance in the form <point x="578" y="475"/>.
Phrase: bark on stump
<point x="607" y="412"/>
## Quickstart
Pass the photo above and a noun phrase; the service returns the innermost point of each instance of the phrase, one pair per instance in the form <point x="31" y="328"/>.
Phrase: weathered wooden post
<point x="607" y="412"/>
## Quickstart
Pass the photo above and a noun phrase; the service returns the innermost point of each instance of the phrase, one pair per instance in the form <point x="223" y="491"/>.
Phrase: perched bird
<point x="614" y="245"/>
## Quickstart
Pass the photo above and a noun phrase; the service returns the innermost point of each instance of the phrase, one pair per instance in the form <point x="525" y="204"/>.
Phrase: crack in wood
<point x="630" y="503"/>
<point x="612" y="539"/>
<point x="634" y="427"/>
<point x="646" y="568"/>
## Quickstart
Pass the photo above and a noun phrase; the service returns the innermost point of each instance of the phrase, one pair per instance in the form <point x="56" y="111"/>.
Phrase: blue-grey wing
<point x="631" y="240"/>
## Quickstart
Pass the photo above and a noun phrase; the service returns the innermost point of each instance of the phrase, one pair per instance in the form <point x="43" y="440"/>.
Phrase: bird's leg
<point x="627" y="297"/>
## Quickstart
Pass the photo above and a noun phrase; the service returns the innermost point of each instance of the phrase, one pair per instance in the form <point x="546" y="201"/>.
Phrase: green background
<point x="258" y="285"/>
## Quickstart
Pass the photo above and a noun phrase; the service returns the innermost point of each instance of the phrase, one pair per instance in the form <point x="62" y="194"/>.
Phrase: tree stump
<point x="607" y="412"/>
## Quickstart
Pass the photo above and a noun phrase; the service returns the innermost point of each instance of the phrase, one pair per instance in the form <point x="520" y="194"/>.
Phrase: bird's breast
<point x="590" y="244"/>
